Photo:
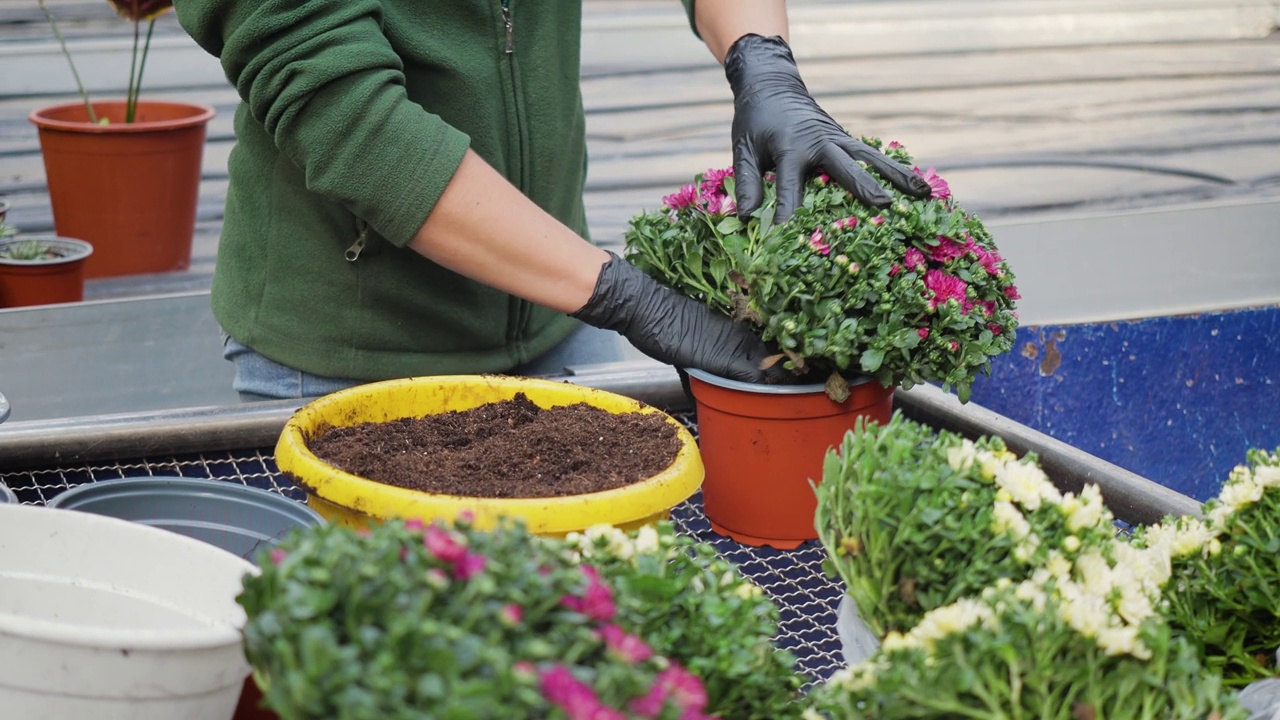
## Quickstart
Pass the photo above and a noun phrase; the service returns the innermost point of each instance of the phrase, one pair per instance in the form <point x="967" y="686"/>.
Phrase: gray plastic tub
<point x="239" y="519"/>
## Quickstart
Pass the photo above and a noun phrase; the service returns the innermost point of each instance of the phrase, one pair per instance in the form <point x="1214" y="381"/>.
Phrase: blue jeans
<point x="258" y="378"/>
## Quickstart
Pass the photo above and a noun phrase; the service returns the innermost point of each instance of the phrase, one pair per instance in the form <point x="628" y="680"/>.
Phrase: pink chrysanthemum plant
<point x="680" y="596"/>
<point x="444" y="620"/>
<point x="914" y="293"/>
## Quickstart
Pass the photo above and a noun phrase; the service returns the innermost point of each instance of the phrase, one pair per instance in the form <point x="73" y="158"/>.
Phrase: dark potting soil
<point x="506" y="449"/>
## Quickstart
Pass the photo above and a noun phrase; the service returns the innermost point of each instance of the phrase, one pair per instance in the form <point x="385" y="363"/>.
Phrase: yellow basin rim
<point x="420" y="396"/>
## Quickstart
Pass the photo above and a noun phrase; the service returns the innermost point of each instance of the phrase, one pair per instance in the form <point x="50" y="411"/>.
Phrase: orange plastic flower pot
<point x="47" y="281"/>
<point x="129" y="189"/>
<point x="762" y="444"/>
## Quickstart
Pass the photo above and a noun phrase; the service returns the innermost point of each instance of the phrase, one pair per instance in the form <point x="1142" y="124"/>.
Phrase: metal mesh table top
<point x="806" y="598"/>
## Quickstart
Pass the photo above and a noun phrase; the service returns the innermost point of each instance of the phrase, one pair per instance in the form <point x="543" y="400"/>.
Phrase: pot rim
<point x="763" y="389"/>
<point x="202" y="115"/>
<point x="178" y="485"/>
<point x="210" y="635"/>
<point x="77" y="250"/>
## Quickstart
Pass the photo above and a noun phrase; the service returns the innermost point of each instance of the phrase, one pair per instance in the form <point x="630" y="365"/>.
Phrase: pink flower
<point x="945" y="287"/>
<point x="877" y="220"/>
<point x="990" y="260"/>
<point x="994" y="328"/>
<point x="413" y="524"/>
<point x="574" y="697"/>
<point x="650" y="704"/>
<point x="848" y="223"/>
<point x="823" y="179"/>
<point x="511" y="614"/>
<point x="713" y="180"/>
<point x="596" y="602"/>
<point x="523" y="667"/>
<point x="923" y="333"/>
<point x="948" y="250"/>
<point x="684" y="687"/>
<point x="364" y="532"/>
<point x="469" y="565"/>
<point x="627" y="647"/>
<point x="894" y="144"/>
<point x="443" y="544"/>
<point x="894" y="269"/>
<point x="437" y="578"/>
<point x="914" y="258"/>
<point x="953" y="345"/>
<point x="817" y="242"/>
<point x="278" y="556"/>
<point x="988" y="307"/>
<point x="719" y="204"/>
<point x="939" y="187"/>
<point x="467" y="516"/>
<point x="1011" y="292"/>
<point x="682" y="198"/>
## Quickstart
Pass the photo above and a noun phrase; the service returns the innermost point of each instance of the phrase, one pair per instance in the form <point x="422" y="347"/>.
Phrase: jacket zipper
<point x="506" y="20"/>
<point x="353" y="253"/>
<point x="520" y="309"/>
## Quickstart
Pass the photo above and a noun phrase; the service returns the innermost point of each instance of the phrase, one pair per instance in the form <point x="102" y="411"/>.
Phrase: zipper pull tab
<point x="506" y="19"/>
<point x="353" y="253"/>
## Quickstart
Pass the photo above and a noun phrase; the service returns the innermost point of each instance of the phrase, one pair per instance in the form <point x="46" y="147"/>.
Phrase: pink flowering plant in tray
<point x="915" y="292"/>
<point x="445" y="620"/>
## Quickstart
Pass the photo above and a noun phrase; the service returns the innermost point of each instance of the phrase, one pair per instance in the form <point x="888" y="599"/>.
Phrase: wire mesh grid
<point x="794" y="579"/>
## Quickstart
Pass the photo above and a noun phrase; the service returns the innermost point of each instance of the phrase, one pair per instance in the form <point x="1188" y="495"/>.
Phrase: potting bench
<point x="235" y="444"/>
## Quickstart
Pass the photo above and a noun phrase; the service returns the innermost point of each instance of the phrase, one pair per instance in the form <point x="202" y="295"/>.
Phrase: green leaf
<point x="871" y="360"/>
<point x="729" y="225"/>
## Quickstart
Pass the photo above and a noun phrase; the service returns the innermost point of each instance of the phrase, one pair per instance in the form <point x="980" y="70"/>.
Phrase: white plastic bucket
<point x="107" y="619"/>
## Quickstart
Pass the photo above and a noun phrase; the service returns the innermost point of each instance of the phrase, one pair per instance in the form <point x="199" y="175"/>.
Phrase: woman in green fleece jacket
<point x="405" y="192"/>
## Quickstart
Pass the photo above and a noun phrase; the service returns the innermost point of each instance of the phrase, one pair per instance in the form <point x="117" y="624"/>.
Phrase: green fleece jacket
<point x="355" y="114"/>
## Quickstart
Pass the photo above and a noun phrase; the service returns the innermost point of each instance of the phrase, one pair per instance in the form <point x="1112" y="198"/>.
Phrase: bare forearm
<point x="486" y="229"/>
<point x="721" y="22"/>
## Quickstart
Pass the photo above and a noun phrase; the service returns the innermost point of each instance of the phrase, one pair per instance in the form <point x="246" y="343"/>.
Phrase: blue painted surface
<point x="1178" y="400"/>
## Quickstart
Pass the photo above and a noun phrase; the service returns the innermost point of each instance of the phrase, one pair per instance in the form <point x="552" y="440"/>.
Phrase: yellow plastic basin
<point x="355" y="501"/>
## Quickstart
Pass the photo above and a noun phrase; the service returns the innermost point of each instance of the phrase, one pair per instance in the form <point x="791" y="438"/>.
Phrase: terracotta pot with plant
<point x="858" y="300"/>
<point x="124" y="175"/>
<point x="40" y="270"/>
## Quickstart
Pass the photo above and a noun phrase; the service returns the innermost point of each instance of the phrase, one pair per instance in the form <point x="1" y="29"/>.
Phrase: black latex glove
<point x="675" y="329"/>
<point x="778" y="126"/>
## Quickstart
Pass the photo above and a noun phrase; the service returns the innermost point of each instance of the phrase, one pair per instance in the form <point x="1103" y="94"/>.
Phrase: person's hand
<point x="777" y="125"/>
<point x="675" y="329"/>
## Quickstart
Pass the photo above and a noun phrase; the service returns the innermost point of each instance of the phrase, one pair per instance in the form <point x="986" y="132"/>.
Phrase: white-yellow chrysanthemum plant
<point x="1224" y="593"/>
<point x="1045" y="648"/>
<point x="913" y="519"/>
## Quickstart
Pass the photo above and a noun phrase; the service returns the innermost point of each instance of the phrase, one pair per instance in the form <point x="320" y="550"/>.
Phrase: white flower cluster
<point x="1187" y="535"/>
<point x="1104" y="602"/>
<point x="940" y="623"/>
<point x="1243" y="488"/>
<point x="1024" y="486"/>
<point x="612" y="542"/>
<point x="607" y="539"/>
